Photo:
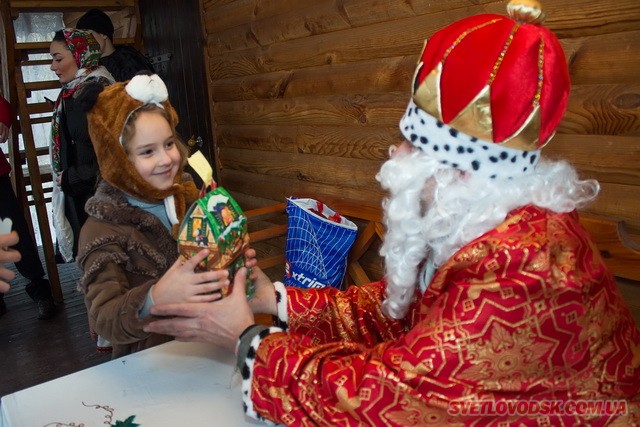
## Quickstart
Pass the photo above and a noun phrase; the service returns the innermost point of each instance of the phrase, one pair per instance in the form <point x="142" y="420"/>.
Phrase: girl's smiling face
<point x="62" y="63"/>
<point x="153" y="150"/>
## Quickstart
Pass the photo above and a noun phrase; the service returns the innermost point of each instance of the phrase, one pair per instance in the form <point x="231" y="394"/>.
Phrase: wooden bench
<point x="620" y="252"/>
<point x="268" y="228"/>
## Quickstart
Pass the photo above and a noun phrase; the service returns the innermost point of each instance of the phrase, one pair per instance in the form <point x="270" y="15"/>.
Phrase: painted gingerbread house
<point x="215" y="221"/>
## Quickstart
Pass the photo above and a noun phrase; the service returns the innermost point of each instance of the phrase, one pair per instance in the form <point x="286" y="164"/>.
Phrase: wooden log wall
<point x="306" y="95"/>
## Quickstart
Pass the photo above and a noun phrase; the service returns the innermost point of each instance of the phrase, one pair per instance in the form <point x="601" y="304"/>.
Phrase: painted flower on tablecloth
<point x="126" y="423"/>
<point x="107" y="418"/>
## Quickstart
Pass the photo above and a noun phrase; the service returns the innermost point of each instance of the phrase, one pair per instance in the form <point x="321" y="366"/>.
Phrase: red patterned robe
<point x="527" y="311"/>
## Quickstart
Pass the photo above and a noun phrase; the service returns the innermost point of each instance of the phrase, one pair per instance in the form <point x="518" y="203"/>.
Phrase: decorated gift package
<point x="215" y="221"/>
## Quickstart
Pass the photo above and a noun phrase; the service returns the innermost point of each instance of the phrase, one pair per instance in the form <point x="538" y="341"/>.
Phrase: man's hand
<point x="220" y="322"/>
<point x="264" y="299"/>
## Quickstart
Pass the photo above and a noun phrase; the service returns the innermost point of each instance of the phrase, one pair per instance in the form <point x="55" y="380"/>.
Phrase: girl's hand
<point x="220" y="323"/>
<point x="181" y="284"/>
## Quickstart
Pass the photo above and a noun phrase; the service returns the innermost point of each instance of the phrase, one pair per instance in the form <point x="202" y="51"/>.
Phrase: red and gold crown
<point x="489" y="84"/>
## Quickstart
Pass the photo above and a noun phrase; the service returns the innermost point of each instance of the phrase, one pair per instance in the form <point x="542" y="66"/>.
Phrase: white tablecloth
<point x="175" y="384"/>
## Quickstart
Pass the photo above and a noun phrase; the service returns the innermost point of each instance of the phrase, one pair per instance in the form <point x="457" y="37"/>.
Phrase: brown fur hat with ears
<point x="107" y="118"/>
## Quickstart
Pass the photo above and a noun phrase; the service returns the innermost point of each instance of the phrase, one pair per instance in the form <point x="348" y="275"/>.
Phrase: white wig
<point x="433" y="210"/>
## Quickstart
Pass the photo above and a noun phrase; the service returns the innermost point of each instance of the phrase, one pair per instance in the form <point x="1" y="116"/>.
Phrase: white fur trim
<point x="246" y="383"/>
<point x="462" y="151"/>
<point x="147" y="89"/>
<point x="281" y="303"/>
<point x="170" y="207"/>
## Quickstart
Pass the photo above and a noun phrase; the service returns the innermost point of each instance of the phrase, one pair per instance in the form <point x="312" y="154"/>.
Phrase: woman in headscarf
<point x="75" y="55"/>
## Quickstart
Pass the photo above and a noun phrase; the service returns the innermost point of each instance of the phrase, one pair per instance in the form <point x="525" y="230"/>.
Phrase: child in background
<point x="127" y="246"/>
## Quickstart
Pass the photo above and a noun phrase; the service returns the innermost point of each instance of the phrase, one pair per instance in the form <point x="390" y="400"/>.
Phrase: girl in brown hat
<point x="127" y="246"/>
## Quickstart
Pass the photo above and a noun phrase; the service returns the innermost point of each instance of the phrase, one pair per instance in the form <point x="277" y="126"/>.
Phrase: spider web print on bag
<point x="318" y="244"/>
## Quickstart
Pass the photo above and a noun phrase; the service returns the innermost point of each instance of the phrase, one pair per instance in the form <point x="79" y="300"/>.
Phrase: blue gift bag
<point x="318" y="244"/>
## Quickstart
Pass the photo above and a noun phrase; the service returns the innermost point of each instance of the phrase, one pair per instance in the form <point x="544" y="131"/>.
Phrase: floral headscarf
<point x="84" y="47"/>
<point x="86" y="53"/>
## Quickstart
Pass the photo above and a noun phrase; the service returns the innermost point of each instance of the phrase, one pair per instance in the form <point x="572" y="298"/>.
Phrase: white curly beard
<point x="433" y="210"/>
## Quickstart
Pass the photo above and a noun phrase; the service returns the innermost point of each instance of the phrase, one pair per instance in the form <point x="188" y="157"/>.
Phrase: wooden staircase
<point x="16" y="57"/>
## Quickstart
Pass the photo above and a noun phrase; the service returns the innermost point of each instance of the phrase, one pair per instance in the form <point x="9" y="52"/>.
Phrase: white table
<point x="175" y="384"/>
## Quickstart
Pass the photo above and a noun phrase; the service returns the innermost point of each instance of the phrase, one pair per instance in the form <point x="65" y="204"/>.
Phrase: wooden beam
<point x="39" y="108"/>
<point x="43" y="47"/>
<point x="255" y="214"/>
<point x="57" y="5"/>
<point x="36" y="120"/>
<point x="357" y="273"/>
<point x="43" y="85"/>
<point x="620" y="253"/>
<point x="271" y="261"/>
<point x="260" y="235"/>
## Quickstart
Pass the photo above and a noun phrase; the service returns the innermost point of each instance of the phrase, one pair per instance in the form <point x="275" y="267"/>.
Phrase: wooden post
<point x="36" y="186"/>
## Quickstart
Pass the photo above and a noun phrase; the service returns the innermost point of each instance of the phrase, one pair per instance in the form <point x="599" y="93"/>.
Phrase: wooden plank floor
<point x="33" y="351"/>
